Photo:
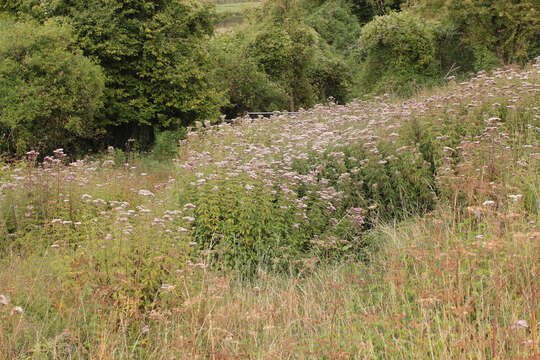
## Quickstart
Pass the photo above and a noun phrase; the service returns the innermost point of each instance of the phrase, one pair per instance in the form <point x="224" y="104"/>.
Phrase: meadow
<point x="380" y="229"/>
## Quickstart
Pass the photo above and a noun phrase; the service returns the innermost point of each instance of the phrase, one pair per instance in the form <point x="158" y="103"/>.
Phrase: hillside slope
<point x="378" y="229"/>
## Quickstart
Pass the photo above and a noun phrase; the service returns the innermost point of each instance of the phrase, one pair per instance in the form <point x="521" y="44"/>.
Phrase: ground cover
<point x="378" y="229"/>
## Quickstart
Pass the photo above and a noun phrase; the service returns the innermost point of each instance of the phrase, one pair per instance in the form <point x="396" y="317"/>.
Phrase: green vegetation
<point x="394" y="214"/>
<point x="157" y="69"/>
<point x="236" y="7"/>
<point x="379" y="228"/>
<point x="396" y="52"/>
<point x="165" y="68"/>
<point x="49" y="92"/>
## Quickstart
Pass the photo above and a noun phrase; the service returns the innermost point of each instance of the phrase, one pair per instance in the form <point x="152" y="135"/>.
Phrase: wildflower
<point x="145" y="329"/>
<point x="146" y="193"/>
<point x="143" y="209"/>
<point x="59" y="153"/>
<point x="515" y="197"/>
<point x="16" y="309"/>
<point x="488" y="203"/>
<point x="188" y="219"/>
<point x="32" y="155"/>
<point x="448" y="149"/>
<point x="4" y="300"/>
<point x="167" y="287"/>
<point x="519" y="324"/>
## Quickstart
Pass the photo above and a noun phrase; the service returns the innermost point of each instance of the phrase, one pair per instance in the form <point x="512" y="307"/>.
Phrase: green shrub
<point x="158" y="70"/>
<point x="49" y="92"/>
<point x="331" y="75"/>
<point x="506" y="29"/>
<point x="248" y="88"/>
<point x="395" y="52"/>
<point x="366" y="10"/>
<point x="336" y="24"/>
<point x="242" y="222"/>
<point x="246" y="224"/>
<point x="394" y="184"/>
<point x="284" y="51"/>
<point x="166" y="144"/>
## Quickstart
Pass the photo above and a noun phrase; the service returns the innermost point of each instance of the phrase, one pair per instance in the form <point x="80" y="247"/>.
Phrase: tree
<point x="336" y="24"/>
<point x="506" y="27"/>
<point x="366" y="10"/>
<point x="49" y="92"/>
<point x="158" y="71"/>
<point x="247" y="86"/>
<point x="394" y="52"/>
<point x="285" y="51"/>
<point x="496" y="31"/>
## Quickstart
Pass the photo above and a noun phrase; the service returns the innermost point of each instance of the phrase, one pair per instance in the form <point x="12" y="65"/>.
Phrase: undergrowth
<point x="379" y="229"/>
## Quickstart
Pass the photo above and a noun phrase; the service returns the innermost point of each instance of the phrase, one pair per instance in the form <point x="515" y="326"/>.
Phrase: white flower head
<point x="519" y="324"/>
<point x="4" y="300"/>
<point x="144" y="192"/>
<point x="17" y="309"/>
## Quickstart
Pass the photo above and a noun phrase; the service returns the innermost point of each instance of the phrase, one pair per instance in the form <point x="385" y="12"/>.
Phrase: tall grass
<point x="392" y="229"/>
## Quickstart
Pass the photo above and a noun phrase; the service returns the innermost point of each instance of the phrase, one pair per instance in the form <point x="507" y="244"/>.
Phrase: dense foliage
<point x="165" y="67"/>
<point x="158" y="71"/>
<point x="506" y="30"/>
<point x="49" y="92"/>
<point x="341" y="217"/>
<point x="248" y="87"/>
<point x="396" y="51"/>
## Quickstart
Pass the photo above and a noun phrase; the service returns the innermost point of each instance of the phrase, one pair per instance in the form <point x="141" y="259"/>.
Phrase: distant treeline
<point x="233" y="1"/>
<point x="82" y="74"/>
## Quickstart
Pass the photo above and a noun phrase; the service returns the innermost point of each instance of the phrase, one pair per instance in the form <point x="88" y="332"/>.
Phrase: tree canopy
<point x="158" y="71"/>
<point x="49" y="92"/>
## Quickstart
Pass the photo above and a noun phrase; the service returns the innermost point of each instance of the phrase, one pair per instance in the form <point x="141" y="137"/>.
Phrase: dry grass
<point x="461" y="282"/>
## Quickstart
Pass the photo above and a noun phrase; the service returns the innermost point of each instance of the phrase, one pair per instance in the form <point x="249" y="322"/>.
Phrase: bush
<point x="244" y="224"/>
<point x="331" y="75"/>
<point x="507" y="29"/>
<point x="366" y="10"/>
<point x="49" y="92"/>
<point x="166" y="144"/>
<point x="284" y="51"/>
<point x="158" y="71"/>
<point x="396" y="51"/>
<point x="336" y="24"/>
<point x="248" y="88"/>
